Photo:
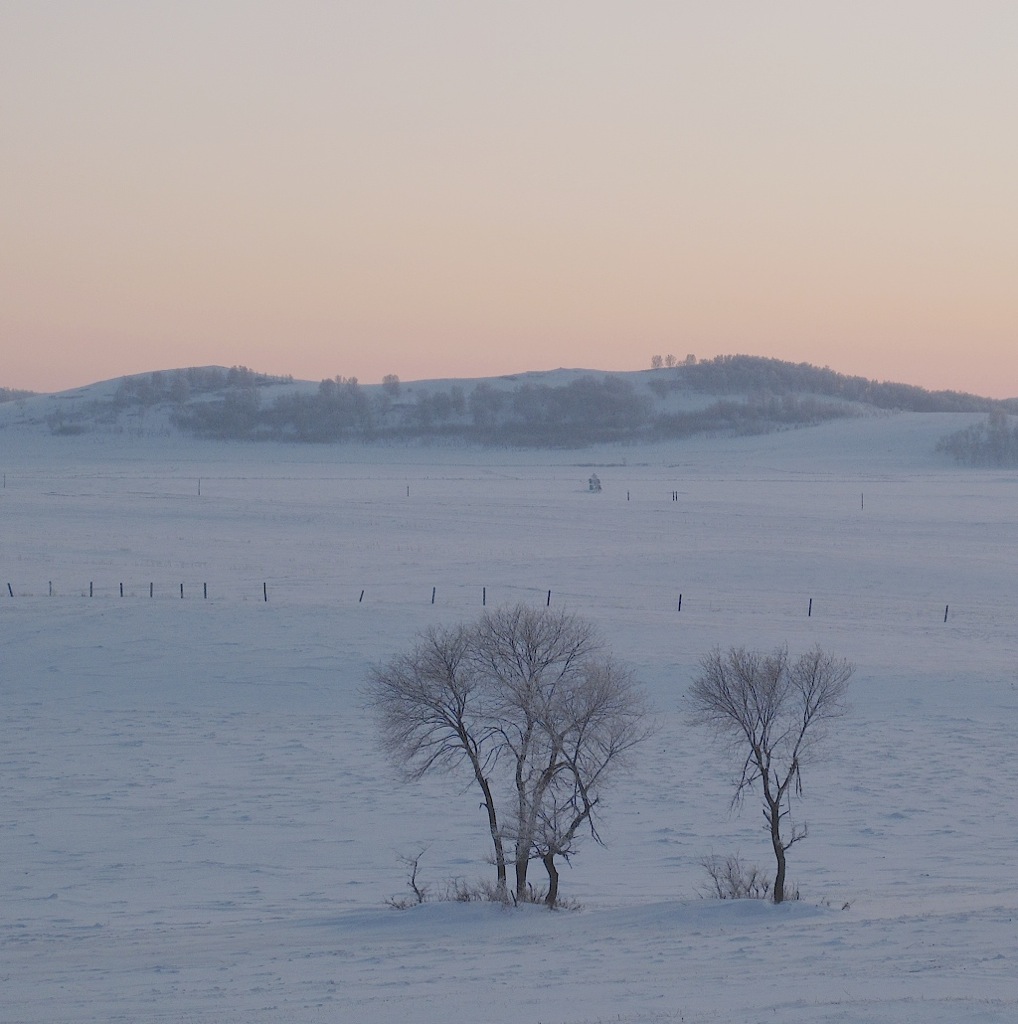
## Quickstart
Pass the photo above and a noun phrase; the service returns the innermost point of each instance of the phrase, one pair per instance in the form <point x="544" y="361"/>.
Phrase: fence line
<point x="652" y="597"/>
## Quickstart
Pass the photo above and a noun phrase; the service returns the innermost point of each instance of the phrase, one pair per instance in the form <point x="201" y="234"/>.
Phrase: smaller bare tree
<point x="772" y="714"/>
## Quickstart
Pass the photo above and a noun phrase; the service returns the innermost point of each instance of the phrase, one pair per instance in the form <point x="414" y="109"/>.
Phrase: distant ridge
<point x="555" y="408"/>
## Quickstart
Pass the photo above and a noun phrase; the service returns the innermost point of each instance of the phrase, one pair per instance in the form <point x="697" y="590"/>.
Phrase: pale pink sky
<point x="465" y="189"/>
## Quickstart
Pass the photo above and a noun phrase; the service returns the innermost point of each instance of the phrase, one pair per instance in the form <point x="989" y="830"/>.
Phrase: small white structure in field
<point x="594" y="484"/>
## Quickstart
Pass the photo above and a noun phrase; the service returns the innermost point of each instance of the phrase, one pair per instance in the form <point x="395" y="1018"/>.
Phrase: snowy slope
<point x="195" y="824"/>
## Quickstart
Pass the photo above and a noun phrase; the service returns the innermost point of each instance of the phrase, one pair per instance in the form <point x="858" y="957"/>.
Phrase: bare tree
<point x="529" y="701"/>
<point x="772" y="714"/>
<point x="432" y="716"/>
<point x="531" y="658"/>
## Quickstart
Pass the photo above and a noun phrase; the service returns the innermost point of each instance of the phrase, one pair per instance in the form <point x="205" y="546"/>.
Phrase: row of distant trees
<point x="531" y="707"/>
<point x="179" y="389"/>
<point x="13" y="394"/>
<point x="591" y="408"/>
<point x="586" y="410"/>
<point x="775" y="377"/>
<point x="179" y="386"/>
<point x="668" y="361"/>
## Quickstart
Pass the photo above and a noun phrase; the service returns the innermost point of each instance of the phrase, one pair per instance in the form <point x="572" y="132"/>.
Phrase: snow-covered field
<point x="196" y="824"/>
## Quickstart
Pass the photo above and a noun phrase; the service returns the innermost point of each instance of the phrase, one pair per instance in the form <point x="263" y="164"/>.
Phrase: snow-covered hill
<point x="736" y="395"/>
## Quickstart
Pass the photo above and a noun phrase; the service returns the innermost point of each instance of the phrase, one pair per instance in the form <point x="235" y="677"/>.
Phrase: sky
<point x="476" y="188"/>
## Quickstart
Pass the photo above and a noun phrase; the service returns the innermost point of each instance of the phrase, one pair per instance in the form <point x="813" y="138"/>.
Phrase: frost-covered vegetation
<point x="171" y="389"/>
<point x="13" y="394"/>
<point x="991" y="443"/>
<point x="757" y="374"/>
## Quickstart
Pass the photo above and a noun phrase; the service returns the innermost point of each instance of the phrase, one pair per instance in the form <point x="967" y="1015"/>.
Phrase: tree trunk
<point x="496" y="838"/>
<point x="525" y="812"/>
<point x="549" y="863"/>
<point x="779" y="852"/>
<point x="522" y="863"/>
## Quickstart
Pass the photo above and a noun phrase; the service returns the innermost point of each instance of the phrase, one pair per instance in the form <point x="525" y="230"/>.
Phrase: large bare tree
<point x="772" y="714"/>
<point x="532" y="703"/>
